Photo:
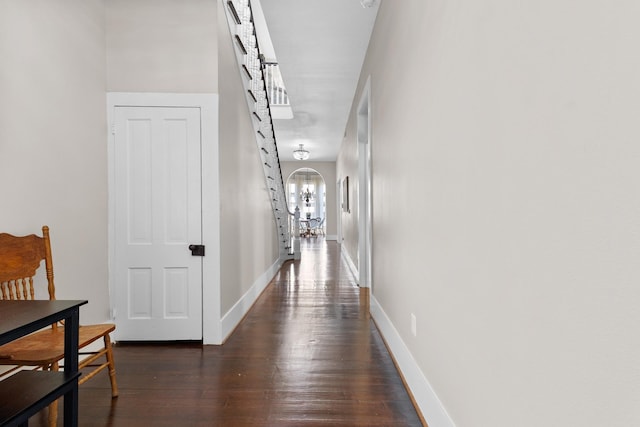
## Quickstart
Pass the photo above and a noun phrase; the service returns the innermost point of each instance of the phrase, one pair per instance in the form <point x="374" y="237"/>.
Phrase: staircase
<point x="241" y="25"/>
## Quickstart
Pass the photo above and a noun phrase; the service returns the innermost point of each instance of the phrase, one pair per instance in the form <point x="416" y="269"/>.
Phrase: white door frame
<point x="365" y="229"/>
<point x="339" y="211"/>
<point x="208" y="105"/>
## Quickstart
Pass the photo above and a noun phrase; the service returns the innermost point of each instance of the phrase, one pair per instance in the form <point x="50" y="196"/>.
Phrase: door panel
<point x="158" y="215"/>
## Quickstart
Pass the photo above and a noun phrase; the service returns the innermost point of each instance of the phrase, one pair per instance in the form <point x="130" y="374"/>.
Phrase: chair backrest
<point x="313" y="222"/>
<point x="20" y="257"/>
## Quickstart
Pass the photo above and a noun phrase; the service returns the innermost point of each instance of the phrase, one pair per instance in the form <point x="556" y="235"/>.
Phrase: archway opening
<point x="307" y="190"/>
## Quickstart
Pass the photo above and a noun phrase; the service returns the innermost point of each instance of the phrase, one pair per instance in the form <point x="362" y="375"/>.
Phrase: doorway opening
<point x="365" y="233"/>
<point x="307" y="191"/>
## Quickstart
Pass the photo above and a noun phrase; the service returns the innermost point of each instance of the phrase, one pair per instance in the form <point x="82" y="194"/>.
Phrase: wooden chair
<point x="20" y="257"/>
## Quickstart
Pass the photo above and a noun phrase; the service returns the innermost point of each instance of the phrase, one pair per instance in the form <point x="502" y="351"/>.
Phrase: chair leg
<point x="53" y="407"/>
<point x="112" y="366"/>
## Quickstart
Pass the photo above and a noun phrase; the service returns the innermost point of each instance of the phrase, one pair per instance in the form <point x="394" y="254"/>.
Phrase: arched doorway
<point x="306" y="189"/>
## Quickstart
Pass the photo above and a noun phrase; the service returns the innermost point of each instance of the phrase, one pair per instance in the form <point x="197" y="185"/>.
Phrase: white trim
<point x="350" y="264"/>
<point x="234" y="316"/>
<point x="208" y="104"/>
<point x="331" y="237"/>
<point x="339" y="210"/>
<point x="365" y="245"/>
<point x="425" y="397"/>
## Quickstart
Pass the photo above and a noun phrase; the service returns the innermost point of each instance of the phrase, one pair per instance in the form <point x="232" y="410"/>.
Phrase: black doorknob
<point x="197" y="250"/>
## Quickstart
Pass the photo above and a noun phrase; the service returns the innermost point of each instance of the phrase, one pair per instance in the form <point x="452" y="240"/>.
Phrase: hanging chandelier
<point x="301" y="153"/>
<point x="307" y="195"/>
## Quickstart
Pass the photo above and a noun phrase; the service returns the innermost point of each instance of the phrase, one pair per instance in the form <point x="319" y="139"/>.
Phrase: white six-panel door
<point x="158" y="215"/>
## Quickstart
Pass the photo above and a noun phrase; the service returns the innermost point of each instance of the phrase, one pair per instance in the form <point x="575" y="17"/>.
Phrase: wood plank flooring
<point x="307" y="354"/>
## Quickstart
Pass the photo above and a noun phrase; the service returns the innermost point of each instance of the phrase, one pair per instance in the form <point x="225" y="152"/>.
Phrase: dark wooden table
<point x="27" y="392"/>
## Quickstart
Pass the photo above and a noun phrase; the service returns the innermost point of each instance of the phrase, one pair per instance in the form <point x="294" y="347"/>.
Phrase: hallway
<point x="306" y="354"/>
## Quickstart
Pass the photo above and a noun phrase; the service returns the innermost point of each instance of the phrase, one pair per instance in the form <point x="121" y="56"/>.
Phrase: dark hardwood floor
<point x="307" y="354"/>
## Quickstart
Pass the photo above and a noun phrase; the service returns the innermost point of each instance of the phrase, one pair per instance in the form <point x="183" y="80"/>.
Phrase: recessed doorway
<point x="365" y="227"/>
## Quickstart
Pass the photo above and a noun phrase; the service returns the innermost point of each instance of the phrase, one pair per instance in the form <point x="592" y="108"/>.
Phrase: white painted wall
<point x="347" y="166"/>
<point x="328" y="172"/>
<point x="162" y="46"/>
<point x="505" y="206"/>
<point x="53" y="167"/>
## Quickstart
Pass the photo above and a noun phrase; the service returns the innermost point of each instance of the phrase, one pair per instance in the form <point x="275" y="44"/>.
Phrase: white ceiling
<point x="320" y="46"/>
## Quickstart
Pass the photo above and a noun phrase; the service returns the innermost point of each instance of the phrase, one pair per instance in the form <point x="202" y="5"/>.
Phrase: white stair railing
<point x="241" y="25"/>
<point x="275" y="85"/>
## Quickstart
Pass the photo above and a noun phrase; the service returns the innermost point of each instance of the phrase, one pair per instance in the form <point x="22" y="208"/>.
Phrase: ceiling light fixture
<point x="301" y="153"/>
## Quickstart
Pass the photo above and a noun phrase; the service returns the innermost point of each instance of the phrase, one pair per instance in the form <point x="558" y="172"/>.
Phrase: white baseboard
<point x="425" y="397"/>
<point x="332" y="237"/>
<point x="233" y="317"/>
<point x="350" y="264"/>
